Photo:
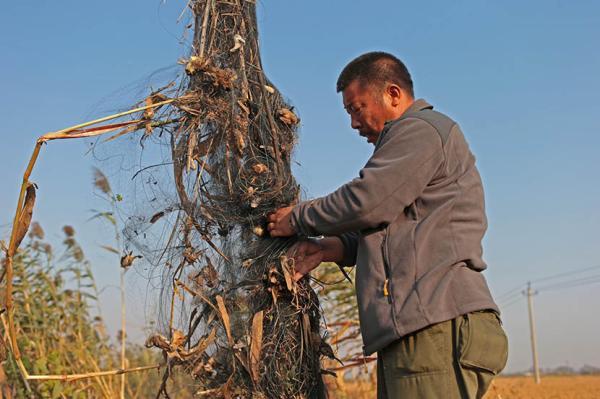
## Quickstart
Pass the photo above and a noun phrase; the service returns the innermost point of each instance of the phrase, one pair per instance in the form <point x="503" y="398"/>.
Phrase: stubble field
<point x="551" y="387"/>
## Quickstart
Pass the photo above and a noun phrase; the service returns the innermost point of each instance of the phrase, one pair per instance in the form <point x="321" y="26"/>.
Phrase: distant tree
<point x="561" y="370"/>
<point x="588" y="369"/>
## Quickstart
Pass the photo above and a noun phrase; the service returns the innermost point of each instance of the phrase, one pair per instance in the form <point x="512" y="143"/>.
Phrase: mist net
<point x="218" y="153"/>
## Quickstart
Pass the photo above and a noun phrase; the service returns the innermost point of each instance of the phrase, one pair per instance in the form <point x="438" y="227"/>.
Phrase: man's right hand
<point x="307" y="254"/>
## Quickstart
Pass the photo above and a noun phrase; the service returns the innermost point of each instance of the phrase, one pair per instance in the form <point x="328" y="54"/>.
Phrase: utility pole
<point x="536" y="369"/>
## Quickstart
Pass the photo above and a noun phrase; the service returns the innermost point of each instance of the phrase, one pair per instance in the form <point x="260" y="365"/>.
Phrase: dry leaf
<point x="128" y="258"/>
<point x="157" y="216"/>
<point x="239" y="41"/>
<point x="306" y="330"/>
<point x="260" y="168"/>
<point x="190" y="255"/>
<point x="178" y="339"/>
<point x="239" y="345"/>
<point x="288" y="117"/>
<point x="209" y="274"/>
<point x="24" y="220"/>
<point x="148" y="115"/>
<point x="158" y="341"/>
<point x="288" y="272"/>
<point x="243" y="107"/>
<point x="256" y="346"/>
<point x="194" y="64"/>
<point x="240" y="142"/>
<point x="225" y="318"/>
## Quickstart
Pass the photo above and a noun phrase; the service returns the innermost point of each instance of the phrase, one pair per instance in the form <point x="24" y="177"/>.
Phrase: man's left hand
<point x="280" y="222"/>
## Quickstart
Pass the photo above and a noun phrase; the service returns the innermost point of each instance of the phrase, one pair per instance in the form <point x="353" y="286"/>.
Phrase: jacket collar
<point x="416" y="106"/>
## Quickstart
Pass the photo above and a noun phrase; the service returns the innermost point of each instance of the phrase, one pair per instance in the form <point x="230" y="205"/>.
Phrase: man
<point x="412" y="222"/>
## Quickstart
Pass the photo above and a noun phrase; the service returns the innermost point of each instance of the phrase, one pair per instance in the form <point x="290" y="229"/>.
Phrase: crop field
<point x="551" y="387"/>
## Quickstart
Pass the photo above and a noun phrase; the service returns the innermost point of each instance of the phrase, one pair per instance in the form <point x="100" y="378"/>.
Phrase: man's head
<point x="376" y="87"/>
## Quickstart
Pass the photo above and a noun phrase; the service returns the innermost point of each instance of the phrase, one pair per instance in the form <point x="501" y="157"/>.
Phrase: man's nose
<point x="354" y="123"/>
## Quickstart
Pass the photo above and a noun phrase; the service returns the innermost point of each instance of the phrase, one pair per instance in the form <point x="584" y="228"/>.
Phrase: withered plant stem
<point x="123" y="331"/>
<point x="204" y="25"/>
<point x="74" y="377"/>
<point x="13" y="245"/>
<point x="63" y="134"/>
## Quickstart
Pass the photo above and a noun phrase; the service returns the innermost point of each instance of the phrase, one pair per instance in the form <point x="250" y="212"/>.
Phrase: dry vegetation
<point x="60" y="327"/>
<point x="231" y="317"/>
<point x="552" y="387"/>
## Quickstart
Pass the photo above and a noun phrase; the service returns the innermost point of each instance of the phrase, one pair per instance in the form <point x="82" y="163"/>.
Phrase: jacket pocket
<point x="482" y="342"/>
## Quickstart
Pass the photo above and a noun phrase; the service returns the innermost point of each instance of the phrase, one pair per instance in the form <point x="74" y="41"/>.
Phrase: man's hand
<point x="280" y="222"/>
<point x="307" y="255"/>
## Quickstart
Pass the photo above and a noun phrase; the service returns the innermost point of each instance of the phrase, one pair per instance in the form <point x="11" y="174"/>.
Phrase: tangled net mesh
<point x="230" y="314"/>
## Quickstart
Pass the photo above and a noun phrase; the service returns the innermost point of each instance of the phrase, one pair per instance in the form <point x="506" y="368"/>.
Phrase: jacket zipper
<point x="386" y="283"/>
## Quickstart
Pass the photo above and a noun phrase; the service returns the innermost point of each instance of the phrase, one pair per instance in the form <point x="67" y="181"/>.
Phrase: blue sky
<point x="520" y="77"/>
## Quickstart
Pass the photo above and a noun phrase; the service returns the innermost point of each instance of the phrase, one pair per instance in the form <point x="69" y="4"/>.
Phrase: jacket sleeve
<point x="350" y="243"/>
<point x="404" y="162"/>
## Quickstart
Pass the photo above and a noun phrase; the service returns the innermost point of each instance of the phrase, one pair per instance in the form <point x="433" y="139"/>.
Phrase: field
<point x="551" y="387"/>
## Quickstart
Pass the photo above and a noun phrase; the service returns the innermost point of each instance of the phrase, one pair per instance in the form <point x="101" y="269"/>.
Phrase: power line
<point x="509" y="298"/>
<point x="571" y="283"/>
<point x="514" y="297"/>
<point x="569" y="273"/>
<point x="515" y="300"/>
<point x="508" y="294"/>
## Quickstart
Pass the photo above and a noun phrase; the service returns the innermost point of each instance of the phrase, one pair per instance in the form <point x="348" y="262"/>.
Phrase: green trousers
<point x="456" y="359"/>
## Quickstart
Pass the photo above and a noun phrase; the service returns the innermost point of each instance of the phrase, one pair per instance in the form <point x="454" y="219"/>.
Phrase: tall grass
<point x="60" y="328"/>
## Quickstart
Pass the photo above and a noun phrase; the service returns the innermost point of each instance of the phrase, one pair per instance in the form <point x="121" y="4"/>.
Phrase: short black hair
<point x="376" y="68"/>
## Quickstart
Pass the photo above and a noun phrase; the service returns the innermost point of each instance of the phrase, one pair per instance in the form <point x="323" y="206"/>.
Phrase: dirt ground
<point x="551" y="387"/>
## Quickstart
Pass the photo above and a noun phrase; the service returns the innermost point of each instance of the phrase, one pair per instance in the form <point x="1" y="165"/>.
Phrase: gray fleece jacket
<point x="412" y="222"/>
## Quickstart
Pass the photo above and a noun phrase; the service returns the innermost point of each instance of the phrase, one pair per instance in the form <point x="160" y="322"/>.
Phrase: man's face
<point x="368" y="109"/>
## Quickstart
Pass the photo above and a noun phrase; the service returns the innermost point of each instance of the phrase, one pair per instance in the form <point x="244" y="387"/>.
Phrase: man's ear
<point x="395" y="93"/>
